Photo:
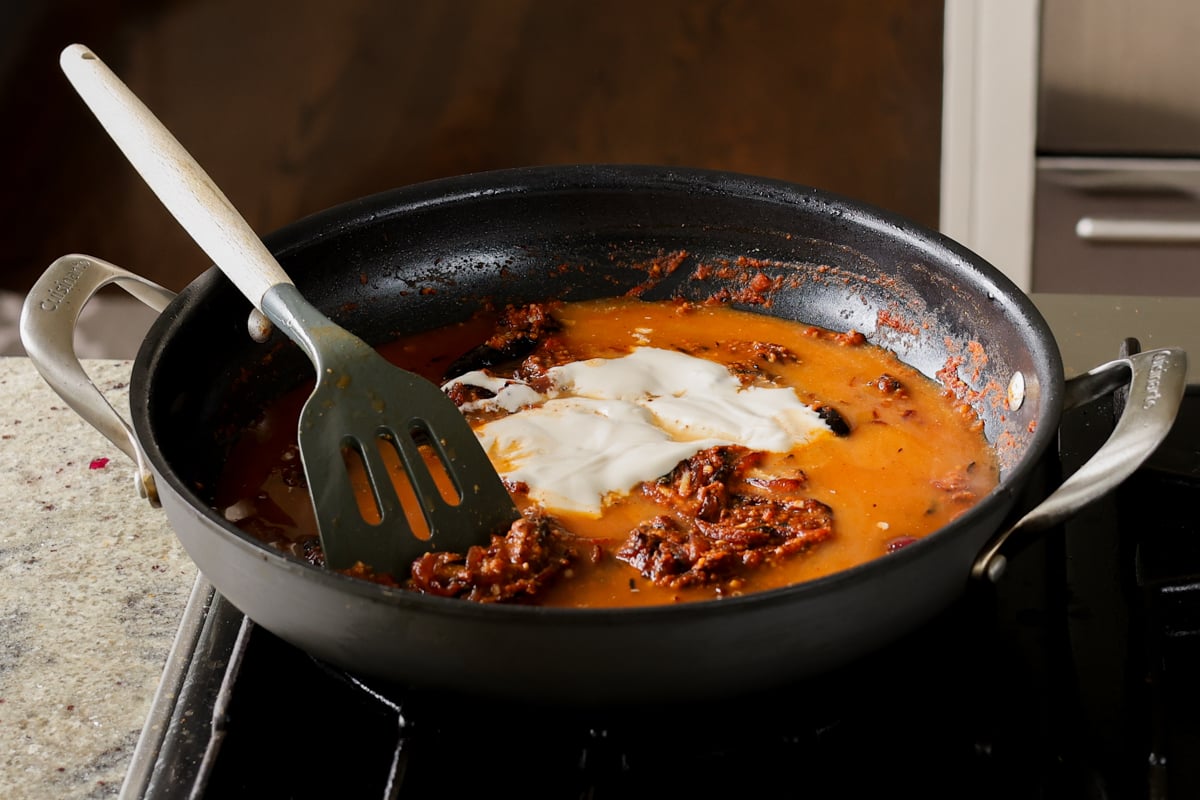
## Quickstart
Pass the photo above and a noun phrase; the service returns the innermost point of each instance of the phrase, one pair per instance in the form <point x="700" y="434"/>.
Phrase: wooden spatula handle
<point x="170" y="171"/>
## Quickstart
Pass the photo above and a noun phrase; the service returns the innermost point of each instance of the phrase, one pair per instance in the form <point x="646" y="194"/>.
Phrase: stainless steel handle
<point x="1138" y="231"/>
<point x="1157" y="380"/>
<point x="47" y="327"/>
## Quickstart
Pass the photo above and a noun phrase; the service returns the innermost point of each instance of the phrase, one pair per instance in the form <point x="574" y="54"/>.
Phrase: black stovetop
<point x="1072" y="677"/>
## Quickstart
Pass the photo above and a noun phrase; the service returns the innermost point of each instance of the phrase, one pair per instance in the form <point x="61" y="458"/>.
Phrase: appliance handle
<point x="1138" y="231"/>
<point x="48" y="320"/>
<point x="1157" y="380"/>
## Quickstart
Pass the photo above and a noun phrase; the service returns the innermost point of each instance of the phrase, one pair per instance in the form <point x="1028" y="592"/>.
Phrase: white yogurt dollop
<point x="610" y="423"/>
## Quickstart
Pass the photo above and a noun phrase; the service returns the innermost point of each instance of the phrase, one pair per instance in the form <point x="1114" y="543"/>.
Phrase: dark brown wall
<point x="293" y="107"/>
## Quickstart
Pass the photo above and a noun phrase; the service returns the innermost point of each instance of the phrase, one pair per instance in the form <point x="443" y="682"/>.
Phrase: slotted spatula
<point x="361" y="401"/>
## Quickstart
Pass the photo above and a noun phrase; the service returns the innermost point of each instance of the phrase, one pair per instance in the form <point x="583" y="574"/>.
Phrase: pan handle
<point x="48" y="320"/>
<point x="1157" y="380"/>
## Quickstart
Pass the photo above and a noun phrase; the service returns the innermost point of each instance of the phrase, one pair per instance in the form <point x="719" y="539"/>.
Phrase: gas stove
<point x="1073" y="676"/>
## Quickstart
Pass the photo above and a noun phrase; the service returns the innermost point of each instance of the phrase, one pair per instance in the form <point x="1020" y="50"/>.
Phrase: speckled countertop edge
<point x="93" y="583"/>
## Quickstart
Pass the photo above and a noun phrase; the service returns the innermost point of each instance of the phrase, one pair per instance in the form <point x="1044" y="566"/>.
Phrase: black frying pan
<point x="423" y="255"/>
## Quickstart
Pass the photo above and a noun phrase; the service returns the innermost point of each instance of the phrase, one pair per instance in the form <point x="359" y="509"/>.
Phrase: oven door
<point x="1117" y="226"/>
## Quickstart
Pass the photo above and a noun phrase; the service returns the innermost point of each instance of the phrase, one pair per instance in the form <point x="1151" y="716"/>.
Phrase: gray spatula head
<point x="364" y="407"/>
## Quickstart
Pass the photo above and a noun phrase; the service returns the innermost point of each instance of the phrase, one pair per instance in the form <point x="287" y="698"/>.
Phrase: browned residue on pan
<point x="964" y="370"/>
<point x="657" y="269"/>
<point x="889" y="319"/>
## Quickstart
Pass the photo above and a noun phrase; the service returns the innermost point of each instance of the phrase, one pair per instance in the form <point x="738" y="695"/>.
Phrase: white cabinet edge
<point x="989" y="130"/>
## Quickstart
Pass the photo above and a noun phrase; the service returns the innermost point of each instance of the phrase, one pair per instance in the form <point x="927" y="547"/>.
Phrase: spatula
<point x="361" y="405"/>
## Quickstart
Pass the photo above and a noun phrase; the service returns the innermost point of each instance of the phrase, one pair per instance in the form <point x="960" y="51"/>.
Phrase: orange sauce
<point x="912" y="462"/>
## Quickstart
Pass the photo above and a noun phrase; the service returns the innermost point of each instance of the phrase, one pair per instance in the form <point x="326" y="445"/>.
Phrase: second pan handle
<point x="47" y="326"/>
<point x="1157" y="380"/>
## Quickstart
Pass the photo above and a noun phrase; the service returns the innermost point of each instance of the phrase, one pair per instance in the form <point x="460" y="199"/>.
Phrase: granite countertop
<point x="93" y="583"/>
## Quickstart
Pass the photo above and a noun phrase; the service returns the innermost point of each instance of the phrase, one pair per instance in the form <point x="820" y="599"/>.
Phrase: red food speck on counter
<point x="98" y="463"/>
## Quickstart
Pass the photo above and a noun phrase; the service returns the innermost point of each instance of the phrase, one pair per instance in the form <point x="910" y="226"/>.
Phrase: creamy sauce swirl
<point x="607" y="424"/>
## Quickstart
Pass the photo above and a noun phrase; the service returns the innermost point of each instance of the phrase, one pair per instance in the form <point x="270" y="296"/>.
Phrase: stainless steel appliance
<point x="1072" y="677"/>
<point x="1117" y="185"/>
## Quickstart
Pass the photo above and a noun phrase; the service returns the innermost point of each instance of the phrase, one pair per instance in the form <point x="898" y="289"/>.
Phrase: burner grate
<point x="908" y="717"/>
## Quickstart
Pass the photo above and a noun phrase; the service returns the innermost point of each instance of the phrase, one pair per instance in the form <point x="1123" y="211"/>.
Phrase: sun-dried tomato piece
<point x="516" y="564"/>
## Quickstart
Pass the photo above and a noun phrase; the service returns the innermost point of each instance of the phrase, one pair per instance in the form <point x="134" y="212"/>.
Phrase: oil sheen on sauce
<point x="653" y="384"/>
